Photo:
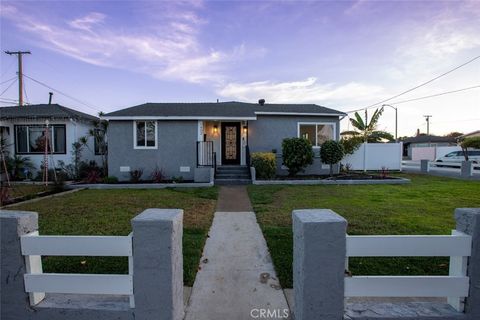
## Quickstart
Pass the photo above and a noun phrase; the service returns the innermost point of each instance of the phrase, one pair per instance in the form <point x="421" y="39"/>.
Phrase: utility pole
<point x="20" y="73"/>
<point x="427" y="118"/>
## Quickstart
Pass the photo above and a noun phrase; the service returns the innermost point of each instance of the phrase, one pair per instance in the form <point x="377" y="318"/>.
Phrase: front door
<point x="231" y="143"/>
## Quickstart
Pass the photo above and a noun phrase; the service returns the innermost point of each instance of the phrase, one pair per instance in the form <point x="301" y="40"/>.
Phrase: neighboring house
<point x="469" y="135"/>
<point x="422" y="141"/>
<point x="23" y="129"/>
<point x="185" y="139"/>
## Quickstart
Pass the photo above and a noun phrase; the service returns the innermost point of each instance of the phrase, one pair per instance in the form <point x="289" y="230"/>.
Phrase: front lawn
<point x="423" y="207"/>
<point x="108" y="212"/>
<point x="26" y="191"/>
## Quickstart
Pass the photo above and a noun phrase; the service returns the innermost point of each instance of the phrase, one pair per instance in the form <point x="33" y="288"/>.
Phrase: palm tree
<point x="367" y="130"/>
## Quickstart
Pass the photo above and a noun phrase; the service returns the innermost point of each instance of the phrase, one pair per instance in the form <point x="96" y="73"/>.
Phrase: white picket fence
<point x="38" y="283"/>
<point x="455" y="286"/>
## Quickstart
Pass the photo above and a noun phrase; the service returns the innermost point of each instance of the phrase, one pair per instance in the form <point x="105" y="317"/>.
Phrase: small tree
<point x="351" y="144"/>
<point x="297" y="154"/>
<point x="331" y="152"/>
<point x="472" y="142"/>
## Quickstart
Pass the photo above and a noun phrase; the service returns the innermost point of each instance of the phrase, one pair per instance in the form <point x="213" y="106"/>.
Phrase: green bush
<point x="110" y="179"/>
<point x="265" y="164"/>
<point x="331" y="152"/>
<point x="351" y="144"/>
<point x="297" y="154"/>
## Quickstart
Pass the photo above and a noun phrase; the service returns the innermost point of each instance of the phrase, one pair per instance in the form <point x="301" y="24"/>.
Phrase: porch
<point x="223" y="145"/>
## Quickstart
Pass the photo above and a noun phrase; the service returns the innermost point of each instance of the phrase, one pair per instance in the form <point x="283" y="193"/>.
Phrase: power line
<point x="8" y="80"/>
<point x="418" y="86"/>
<point x="437" y="94"/>
<point x="65" y="94"/>
<point x="11" y="84"/>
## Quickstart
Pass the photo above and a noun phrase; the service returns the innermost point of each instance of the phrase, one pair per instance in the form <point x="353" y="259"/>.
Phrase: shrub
<point x="94" y="176"/>
<point x="297" y="154"/>
<point x="331" y="153"/>
<point x="110" y="180"/>
<point x="265" y="164"/>
<point x="136" y="175"/>
<point x="158" y="175"/>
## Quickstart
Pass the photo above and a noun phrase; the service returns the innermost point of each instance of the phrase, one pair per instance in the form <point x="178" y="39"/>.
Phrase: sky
<point x="345" y="55"/>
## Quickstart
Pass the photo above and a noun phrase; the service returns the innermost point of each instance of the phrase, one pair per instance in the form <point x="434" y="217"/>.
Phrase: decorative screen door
<point x="230" y="143"/>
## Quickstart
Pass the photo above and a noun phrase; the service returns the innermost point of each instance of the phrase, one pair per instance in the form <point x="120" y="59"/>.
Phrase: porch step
<point x="230" y="175"/>
<point x="229" y="182"/>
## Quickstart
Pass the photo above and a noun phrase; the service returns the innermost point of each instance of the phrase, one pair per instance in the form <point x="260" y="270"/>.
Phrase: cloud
<point x="165" y="47"/>
<point x="88" y="21"/>
<point x="304" y="91"/>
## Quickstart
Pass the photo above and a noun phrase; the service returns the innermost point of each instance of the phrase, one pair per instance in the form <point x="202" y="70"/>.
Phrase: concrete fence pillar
<point x="468" y="221"/>
<point x="158" y="264"/>
<point x="466" y="169"/>
<point x="319" y="250"/>
<point x="14" y="300"/>
<point x="424" y="166"/>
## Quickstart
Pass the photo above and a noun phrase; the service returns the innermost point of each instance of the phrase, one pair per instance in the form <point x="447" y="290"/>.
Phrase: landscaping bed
<point x="22" y="192"/>
<point x="425" y="206"/>
<point x="108" y="212"/>
<point x="352" y="176"/>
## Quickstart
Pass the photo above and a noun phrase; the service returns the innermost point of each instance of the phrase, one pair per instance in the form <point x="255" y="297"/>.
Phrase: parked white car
<point x="456" y="157"/>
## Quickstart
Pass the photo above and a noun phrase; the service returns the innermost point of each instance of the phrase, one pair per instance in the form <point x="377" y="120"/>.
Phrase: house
<point x="421" y="141"/>
<point x="469" y="135"/>
<point x="23" y="128"/>
<point x="186" y="139"/>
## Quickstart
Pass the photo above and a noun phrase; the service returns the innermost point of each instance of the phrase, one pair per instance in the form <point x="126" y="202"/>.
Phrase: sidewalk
<point x="236" y="280"/>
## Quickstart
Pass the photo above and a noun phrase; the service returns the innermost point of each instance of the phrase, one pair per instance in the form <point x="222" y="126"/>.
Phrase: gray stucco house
<point x="187" y="139"/>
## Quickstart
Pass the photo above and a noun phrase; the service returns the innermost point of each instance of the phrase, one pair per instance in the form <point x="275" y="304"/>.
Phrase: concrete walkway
<point x="233" y="199"/>
<point x="236" y="280"/>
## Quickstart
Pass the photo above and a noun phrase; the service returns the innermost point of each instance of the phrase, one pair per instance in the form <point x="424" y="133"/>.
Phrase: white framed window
<point x="145" y="134"/>
<point x="31" y="139"/>
<point x="317" y="132"/>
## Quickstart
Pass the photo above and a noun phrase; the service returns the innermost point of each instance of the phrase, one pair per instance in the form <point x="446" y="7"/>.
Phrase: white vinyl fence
<point x="454" y="286"/>
<point x="38" y="283"/>
<point x="321" y="249"/>
<point x="376" y="156"/>
<point x="431" y="153"/>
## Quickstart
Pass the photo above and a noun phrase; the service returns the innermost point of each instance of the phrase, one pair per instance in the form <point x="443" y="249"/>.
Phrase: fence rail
<point x="406" y="286"/>
<point x="79" y="283"/>
<point x="37" y="283"/>
<point x="106" y="246"/>
<point x="409" y="246"/>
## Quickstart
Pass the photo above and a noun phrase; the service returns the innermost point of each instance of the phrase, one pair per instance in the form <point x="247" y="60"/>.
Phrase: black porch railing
<point x="205" y="154"/>
<point x="247" y="156"/>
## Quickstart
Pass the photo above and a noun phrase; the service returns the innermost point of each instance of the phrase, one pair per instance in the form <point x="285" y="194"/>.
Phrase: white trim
<point x="316" y="124"/>
<point x="178" y="118"/>
<point x="299" y="114"/>
<point x="135" y="136"/>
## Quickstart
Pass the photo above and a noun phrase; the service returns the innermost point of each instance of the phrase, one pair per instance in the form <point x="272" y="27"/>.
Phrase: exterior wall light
<point x="215" y="129"/>
<point x="245" y="129"/>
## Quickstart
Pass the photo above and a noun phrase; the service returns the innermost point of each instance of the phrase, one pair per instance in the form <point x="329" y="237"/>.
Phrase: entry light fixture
<point x="215" y="129"/>
<point x="245" y="129"/>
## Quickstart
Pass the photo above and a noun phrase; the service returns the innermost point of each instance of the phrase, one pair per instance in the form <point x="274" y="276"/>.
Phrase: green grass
<point x="108" y="212"/>
<point x="423" y="207"/>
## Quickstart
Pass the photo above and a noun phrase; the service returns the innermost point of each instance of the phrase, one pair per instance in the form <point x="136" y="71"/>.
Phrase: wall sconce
<point x="245" y="129"/>
<point x="215" y="129"/>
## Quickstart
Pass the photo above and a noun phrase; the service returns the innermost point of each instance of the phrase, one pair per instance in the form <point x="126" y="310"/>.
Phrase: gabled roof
<point x="217" y="110"/>
<point x="429" y="139"/>
<point x="43" y="111"/>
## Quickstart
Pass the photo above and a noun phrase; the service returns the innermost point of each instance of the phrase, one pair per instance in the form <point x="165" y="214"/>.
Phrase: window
<point x="30" y="139"/>
<point x="145" y="134"/>
<point x="316" y="133"/>
<point x="99" y="142"/>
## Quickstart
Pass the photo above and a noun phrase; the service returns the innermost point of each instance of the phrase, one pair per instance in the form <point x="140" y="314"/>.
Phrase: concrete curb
<point x="331" y="182"/>
<point x="42" y="198"/>
<point x="140" y="185"/>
